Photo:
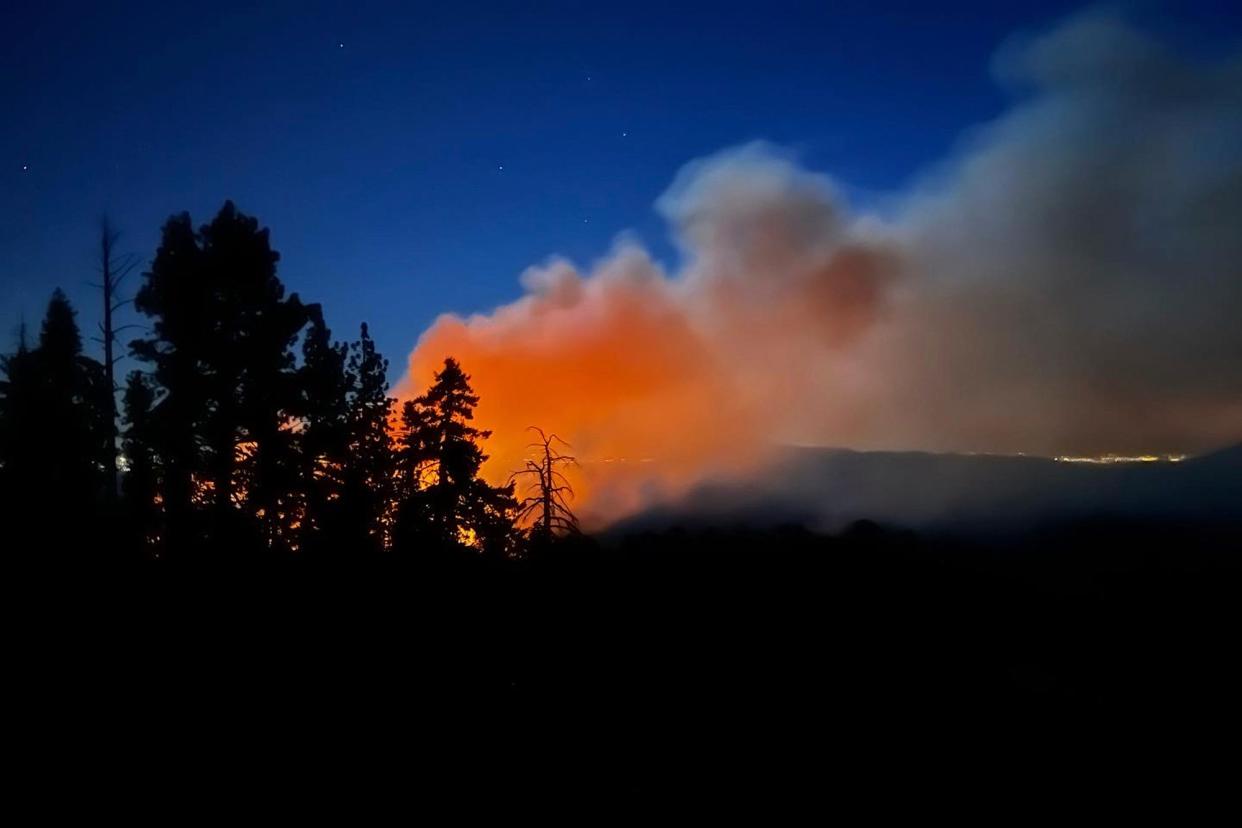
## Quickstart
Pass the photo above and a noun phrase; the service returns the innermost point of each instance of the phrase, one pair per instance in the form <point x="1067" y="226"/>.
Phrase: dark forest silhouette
<point x="234" y="445"/>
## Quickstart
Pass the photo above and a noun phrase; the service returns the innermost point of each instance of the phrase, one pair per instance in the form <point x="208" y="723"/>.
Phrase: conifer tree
<point x="324" y="388"/>
<point x="369" y="474"/>
<point x="445" y="503"/>
<point x="175" y="295"/>
<point x="228" y="391"/>
<point x="53" y="405"/>
<point x="72" y="407"/>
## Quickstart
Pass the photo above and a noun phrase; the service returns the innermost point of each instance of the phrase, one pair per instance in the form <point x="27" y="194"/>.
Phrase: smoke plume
<point x="1069" y="282"/>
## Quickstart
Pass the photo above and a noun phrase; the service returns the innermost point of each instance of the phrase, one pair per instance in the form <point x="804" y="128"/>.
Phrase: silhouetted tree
<point x="547" y="491"/>
<point x="324" y="388"/>
<point x="223" y="361"/>
<point x="74" y="407"/>
<point x="55" y="428"/>
<point x="113" y="271"/>
<point x="445" y="505"/>
<point x="175" y="294"/>
<point x="254" y="380"/>
<point x="368" y="480"/>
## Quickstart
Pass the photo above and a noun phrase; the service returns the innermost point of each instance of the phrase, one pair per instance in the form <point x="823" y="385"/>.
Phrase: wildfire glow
<point x="619" y="378"/>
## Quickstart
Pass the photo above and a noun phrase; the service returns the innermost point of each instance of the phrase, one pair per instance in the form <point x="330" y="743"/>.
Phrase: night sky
<point x="413" y="159"/>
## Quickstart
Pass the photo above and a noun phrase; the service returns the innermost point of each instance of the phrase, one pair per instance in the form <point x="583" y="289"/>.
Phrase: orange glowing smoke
<point x="660" y="382"/>
<point x="613" y="365"/>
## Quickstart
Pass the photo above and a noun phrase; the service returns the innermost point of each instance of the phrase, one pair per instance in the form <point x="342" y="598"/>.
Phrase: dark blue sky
<point x="371" y="137"/>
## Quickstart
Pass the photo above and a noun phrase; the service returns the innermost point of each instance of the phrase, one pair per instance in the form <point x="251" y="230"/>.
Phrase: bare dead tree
<point x="547" y="490"/>
<point x="113" y="271"/>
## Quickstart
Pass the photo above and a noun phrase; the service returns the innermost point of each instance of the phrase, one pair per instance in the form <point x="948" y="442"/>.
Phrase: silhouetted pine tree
<point x="255" y="380"/>
<point x="53" y="405"/>
<point x="445" y="505"/>
<point x="368" y="479"/>
<point x="75" y="404"/>
<point x="223" y="360"/>
<point x="325" y="386"/>
<point x="175" y="294"/>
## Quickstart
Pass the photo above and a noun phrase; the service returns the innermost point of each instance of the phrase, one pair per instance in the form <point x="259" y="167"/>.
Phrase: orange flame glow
<point x="612" y="366"/>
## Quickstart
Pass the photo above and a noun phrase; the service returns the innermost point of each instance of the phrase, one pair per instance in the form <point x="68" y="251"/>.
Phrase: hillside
<point x="827" y="489"/>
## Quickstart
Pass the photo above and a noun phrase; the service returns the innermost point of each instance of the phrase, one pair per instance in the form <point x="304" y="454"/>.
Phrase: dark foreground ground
<point x="721" y="667"/>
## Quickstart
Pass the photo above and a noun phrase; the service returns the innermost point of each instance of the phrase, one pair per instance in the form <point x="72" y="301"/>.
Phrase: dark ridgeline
<point x="645" y="664"/>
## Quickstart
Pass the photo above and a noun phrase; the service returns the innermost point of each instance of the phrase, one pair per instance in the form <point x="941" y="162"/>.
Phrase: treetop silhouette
<point x="439" y="457"/>
<point x="54" y="431"/>
<point x="249" y="430"/>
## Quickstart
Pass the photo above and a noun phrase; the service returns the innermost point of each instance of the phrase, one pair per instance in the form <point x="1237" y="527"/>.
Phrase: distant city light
<point x="1114" y="459"/>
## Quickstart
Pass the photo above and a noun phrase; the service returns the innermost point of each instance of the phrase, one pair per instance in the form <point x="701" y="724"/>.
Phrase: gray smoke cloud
<point x="1069" y="282"/>
<point x="1075" y="276"/>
